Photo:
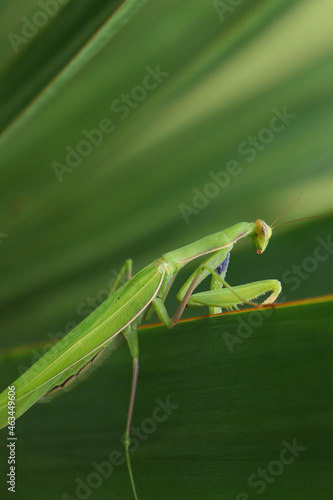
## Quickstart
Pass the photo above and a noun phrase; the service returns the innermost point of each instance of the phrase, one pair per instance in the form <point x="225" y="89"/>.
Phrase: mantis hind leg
<point x="130" y="334"/>
<point x="126" y="268"/>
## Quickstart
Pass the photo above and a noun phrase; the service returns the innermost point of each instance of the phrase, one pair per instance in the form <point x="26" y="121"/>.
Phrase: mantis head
<point x="262" y="233"/>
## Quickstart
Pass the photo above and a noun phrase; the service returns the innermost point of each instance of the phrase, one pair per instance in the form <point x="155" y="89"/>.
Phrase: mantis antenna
<point x="286" y="210"/>
<point x="274" y="225"/>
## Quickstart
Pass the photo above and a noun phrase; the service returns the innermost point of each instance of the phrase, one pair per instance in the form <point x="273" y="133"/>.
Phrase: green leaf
<point x="218" y="399"/>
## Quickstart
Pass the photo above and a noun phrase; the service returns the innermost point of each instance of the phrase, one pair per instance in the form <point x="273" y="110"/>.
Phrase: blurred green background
<point x="117" y="120"/>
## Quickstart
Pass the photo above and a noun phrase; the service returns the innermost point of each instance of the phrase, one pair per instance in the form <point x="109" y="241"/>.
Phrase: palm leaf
<point x="238" y="123"/>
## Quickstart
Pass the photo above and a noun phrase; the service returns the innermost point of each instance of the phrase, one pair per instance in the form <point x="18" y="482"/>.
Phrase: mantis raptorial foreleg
<point x="130" y="334"/>
<point x="213" y="262"/>
<point x="227" y="298"/>
<point x="216" y="266"/>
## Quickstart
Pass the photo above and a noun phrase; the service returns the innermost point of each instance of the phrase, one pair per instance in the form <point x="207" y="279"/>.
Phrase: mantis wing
<point x="74" y="351"/>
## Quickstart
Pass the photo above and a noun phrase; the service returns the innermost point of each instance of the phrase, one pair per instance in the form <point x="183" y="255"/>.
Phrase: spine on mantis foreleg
<point x="230" y="299"/>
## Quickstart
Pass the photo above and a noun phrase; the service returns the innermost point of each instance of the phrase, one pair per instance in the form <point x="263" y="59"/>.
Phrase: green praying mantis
<point x="119" y="316"/>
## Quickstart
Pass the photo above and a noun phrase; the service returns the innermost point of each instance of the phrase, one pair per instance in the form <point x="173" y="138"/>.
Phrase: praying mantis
<point x="119" y="316"/>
